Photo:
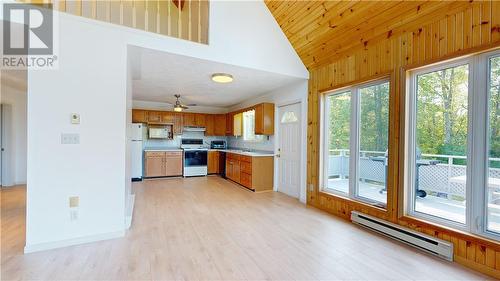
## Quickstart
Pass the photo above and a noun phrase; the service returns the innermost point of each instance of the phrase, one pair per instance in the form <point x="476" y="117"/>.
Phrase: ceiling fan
<point x="178" y="106"/>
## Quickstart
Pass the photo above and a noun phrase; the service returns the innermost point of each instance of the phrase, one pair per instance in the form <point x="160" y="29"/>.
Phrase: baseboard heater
<point x="429" y="244"/>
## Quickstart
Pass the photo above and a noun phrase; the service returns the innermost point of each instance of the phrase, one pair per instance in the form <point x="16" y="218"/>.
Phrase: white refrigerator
<point x="136" y="153"/>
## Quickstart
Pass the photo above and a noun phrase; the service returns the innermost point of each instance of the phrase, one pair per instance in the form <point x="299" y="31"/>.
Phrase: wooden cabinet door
<point x="167" y="117"/>
<point x="213" y="162"/>
<point x="236" y="171"/>
<point x="155" y="167"/>
<point x="246" y="179"/>
<point x="173" y="164"/>
<point x="154" y="117"/>
<point x="209" y="125"/>
<point x="238" y="124"/>
<point x="229" y="124"/>
<point x="220" y="125"/>
<point x="264" y="119"/>
<point x="189" y="119"/>
<point x="178" y="123"/>
<point x="139" y="116"/>
<point x="200" y="119"/>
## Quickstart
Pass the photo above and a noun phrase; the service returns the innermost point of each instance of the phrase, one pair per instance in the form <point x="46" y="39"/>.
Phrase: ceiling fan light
<point x="177" y="108"/>
<point x="222" y="78"/>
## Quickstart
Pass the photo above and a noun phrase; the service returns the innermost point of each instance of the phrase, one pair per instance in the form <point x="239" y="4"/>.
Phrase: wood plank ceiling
<point x="322" y="31"/>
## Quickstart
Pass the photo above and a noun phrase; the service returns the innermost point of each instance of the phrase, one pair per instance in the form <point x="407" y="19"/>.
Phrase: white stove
<point x="195" y="157"/>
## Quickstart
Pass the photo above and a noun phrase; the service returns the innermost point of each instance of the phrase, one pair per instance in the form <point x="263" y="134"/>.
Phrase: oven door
<point x="195" y="158"/>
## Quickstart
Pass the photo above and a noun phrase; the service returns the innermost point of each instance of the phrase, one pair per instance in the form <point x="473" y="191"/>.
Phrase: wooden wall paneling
<point x="74" y="7"/>
<point x="87" y="9"/>
<point x="174" y="19"/>
<point x="441" y="36"/>
<point x="114" y="12"/>
<point x="164" y="17"/>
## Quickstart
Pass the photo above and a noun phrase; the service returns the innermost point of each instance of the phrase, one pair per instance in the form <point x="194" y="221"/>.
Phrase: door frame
<point x="303" y="137"/>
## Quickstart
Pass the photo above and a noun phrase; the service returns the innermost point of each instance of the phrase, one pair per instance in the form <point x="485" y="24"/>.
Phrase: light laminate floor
<point x="209" y="228"/>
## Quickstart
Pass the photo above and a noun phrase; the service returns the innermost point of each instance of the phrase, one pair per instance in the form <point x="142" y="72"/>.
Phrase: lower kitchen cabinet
<point x="163" y="164"/>
<point x="255" y="173"/>
<point x="213" y="162"/>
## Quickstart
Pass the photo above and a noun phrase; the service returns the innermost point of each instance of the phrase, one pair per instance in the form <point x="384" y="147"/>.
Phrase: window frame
<point x="477" y="172"/>
<point x="354" y="140"/>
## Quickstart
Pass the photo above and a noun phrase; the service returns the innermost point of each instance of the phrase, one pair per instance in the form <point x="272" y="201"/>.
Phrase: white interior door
<point x="289" y="150"/>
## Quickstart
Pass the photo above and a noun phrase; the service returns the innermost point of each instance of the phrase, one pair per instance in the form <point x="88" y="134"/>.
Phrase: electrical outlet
<point x="70" y="138"/>
<point x="74" y="201"/>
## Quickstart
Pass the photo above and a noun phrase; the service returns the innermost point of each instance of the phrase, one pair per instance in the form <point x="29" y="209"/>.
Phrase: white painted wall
<point x="290" y="94"/>
<point x="16" y="98"/>
<point x="92" y="81"/>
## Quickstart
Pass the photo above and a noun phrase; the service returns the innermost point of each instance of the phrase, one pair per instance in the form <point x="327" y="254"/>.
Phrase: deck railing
<point x="434" y="178"/>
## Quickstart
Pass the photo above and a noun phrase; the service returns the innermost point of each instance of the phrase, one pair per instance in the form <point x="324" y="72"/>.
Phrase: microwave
<point x="160" y="132"/>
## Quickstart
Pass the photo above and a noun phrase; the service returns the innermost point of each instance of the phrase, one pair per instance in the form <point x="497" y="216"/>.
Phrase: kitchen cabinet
<point x="210" y="125"/>
<point x="264" y="119"/>
<point x="167" y="117"/>
<point x="154" y="117"/>
<point x="238" y="124"/>
<point x="254" y="173"/>
<point x="163" y="164"/>
<point x="178" y="127"/>
<point x="219" y="125"/>
<point x="139" y="116"/>
<point x="189" y="119"/>
<point x="229" y="124"/>
<point x="199" y="119"/>
<point x="213" y="162"/>
<point x="173" y="161"/>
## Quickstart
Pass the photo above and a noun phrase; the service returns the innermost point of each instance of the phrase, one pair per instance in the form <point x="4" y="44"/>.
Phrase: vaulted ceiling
<point x="322" y="31"/>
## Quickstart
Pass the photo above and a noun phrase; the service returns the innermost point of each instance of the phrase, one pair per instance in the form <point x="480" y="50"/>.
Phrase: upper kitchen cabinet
<point x="264" y="119"/>
<point x="219" y="125"/>
<point x="189" y="119"/>
<point x="238" y="124"/>
<point x="229" y="124"/>
<point x="178" y="123"/>
<point x="139" y="116"/>
<point x="154" y="117"/>
<point x="210" y="125"/>
<point x="167" y="117"/>
<point x="200" y="119"/>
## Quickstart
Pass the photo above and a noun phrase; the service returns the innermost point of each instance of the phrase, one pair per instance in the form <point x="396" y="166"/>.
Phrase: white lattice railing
<point x="431" y="178"/>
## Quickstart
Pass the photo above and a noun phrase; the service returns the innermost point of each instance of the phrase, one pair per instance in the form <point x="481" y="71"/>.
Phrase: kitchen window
<point x="249" y="127"/>
<point x="355" y="142"/>
<point x="452" y="169"/>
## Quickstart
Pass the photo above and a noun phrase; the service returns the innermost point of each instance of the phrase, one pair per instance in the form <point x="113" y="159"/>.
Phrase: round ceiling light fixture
<point x="222" y="78"/>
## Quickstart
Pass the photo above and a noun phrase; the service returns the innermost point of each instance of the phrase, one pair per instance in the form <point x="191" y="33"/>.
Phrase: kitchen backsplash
<point x="176" y="142"/>
<point x="233" y="142"/>
<point x="264" y="145"/>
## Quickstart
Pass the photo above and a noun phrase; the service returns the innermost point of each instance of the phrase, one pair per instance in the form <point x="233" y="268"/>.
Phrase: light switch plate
<point x="75" y="118"/>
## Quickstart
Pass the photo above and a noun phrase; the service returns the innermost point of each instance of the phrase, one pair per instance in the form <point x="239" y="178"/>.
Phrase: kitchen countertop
<point x="162" y="149"/>
<point x="248" y="153"/>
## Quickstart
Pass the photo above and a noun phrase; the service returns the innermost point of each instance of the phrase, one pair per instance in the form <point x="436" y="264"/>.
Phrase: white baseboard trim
<point x="130" y="211"/>
<point x="72" y="242"/>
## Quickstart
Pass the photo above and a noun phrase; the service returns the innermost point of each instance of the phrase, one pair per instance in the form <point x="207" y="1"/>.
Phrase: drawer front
<point x="155" y="154"/>
<point x="245" y="158"/>
<point x="246" y="167"/>
<point x="246" y="179"/>
<point x="173" y="153"/>
<point x="233" y="156"/>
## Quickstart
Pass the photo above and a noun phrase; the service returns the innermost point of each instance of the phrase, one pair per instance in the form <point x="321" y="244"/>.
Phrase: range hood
<point x="194" y="129"/>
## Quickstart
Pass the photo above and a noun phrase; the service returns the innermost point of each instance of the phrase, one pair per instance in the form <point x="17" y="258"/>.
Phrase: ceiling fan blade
<point x="192" y="104"/>
<point x="184" y="107"/>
